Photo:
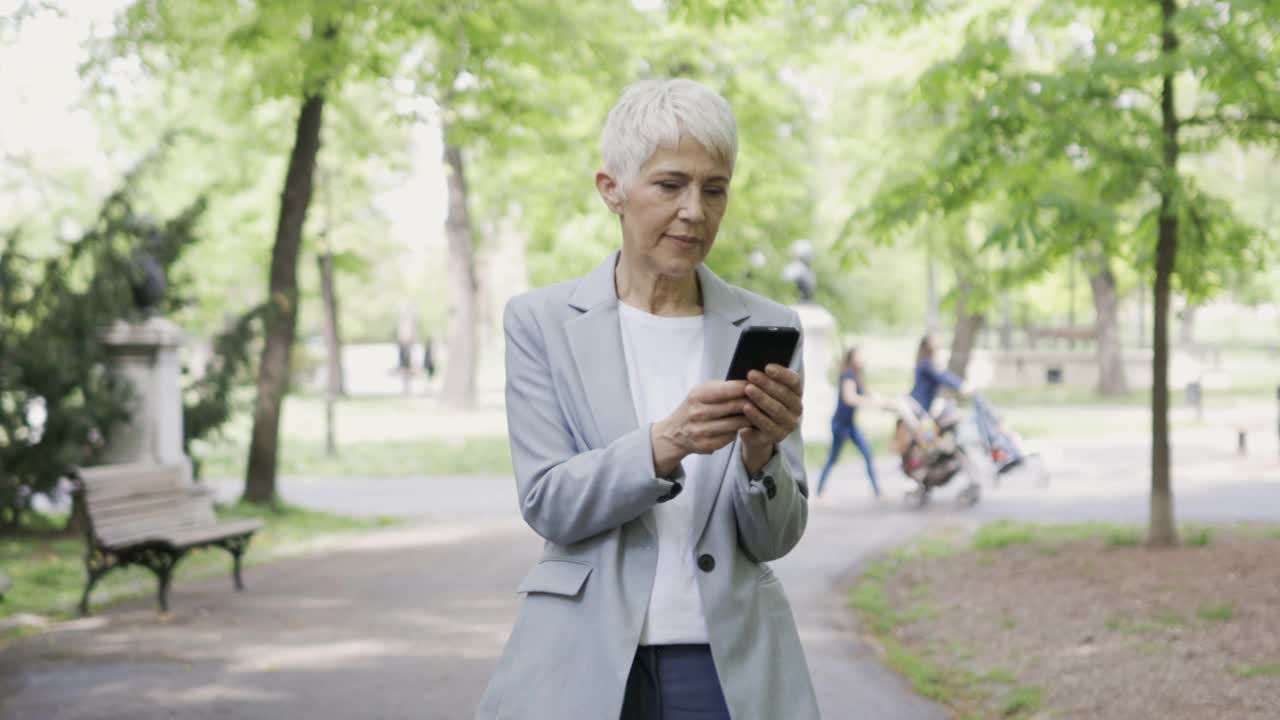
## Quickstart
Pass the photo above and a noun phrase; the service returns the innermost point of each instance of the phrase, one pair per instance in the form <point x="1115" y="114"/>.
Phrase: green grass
<point x="1171" y="619"/>
<point x="1121" y="625"/>
<point x="966" y="692"/>
<point x="1021" y="702"/>
<point x="1216" y="613"/>
<point x="1123" y="537"/>
<point x="1197" y="536"/>
<point x="1248" y="671"/>
<point x="1003" y="534"/>
<point x="399" y="458"/>
<point x="929" y="678"/>
<point x="869" y="597"/>
<point x="998" y="676"/>
<point x="1049" y="537"/>
<point x="47" y="565"/>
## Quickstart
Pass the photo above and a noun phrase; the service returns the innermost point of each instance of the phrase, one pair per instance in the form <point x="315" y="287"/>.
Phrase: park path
<point x="407" y="622"/>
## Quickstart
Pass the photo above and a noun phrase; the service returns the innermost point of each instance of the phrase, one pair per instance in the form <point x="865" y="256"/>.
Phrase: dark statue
<point x="148" y="282"/>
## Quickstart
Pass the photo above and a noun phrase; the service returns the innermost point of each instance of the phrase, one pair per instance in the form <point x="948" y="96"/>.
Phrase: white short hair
<point x="653" y="113"/>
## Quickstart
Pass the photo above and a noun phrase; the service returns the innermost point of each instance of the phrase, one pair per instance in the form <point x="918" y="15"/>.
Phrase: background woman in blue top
<point x="853" y="394"/>
<point x="928" y="379"/>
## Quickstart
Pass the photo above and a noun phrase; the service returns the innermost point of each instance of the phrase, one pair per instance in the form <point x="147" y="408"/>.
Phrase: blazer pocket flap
<point x="558" y="577"/>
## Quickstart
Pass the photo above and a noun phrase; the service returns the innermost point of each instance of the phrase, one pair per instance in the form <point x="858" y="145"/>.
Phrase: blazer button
<point x="706" y="563"/>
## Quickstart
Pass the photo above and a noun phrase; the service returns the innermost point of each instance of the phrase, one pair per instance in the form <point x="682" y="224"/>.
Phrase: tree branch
<point x="1217" y="118"/>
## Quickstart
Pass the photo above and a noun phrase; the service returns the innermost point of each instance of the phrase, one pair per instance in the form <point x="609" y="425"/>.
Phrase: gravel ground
<point x="1108" y="633"/>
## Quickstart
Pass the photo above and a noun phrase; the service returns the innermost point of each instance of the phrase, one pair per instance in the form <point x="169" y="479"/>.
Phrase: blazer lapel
<point x="724" y="316"/>
<point x="596" y="341"/>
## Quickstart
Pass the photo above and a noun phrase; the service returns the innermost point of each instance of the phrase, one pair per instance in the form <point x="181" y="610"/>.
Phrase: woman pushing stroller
<point x="929" y="379"/>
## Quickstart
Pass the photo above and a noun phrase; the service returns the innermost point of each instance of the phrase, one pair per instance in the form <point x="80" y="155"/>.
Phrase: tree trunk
<point x="1142" y="310"/>
<point x="336" y="376"/>
<point x="968" y="325"/>
<point x="1162" y="531"/>
<point x="282" y="310"/>
<point x="459" y="384"/>
<point x="1071" y="300"/>
<point x="1111" y="378"/>
<point x="334" y="386"/>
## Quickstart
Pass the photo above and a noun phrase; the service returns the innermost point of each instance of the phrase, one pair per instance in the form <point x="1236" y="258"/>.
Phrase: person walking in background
<point x="429" y="361"/>
<point x="852" y="394"/>
<point x="924" y="391"/>
<point x="929" y="378"/>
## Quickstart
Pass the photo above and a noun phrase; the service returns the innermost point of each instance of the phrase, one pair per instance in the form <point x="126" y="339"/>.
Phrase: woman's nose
<point x="691" y="209"/>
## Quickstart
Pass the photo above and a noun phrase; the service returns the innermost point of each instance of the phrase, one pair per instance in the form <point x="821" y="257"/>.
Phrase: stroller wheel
<point x="917" y="498"/>
<point x="969" y="496"/>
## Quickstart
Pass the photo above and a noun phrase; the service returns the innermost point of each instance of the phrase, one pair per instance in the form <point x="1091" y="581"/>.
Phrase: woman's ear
<point x="609" y="192"/>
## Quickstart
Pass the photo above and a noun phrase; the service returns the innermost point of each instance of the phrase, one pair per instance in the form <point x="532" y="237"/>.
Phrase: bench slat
<point x="191" y="535"/>
<point x="130" y="504"/>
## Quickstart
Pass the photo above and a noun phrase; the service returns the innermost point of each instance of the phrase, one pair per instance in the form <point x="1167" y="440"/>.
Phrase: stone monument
<point x="145" y="353"/>
<point x="819" y="328"/>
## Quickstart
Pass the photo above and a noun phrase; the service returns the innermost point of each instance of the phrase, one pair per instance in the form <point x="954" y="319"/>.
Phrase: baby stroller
<point x="1003" y="446"/>
<point x="935" y="455"/>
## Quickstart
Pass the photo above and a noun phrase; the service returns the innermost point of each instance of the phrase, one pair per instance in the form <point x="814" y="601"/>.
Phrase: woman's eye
<point x="714" y="191"/>
<point x="668" y="185"/>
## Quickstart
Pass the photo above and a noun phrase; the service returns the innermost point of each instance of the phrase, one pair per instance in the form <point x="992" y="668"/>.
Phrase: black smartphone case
<point x="760" y="345"/>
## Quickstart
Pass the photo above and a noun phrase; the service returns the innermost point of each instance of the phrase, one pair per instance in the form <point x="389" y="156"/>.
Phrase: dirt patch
<point x="1086" y="629"/>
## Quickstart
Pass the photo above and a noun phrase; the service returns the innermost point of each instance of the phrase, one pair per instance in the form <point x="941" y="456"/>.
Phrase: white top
<point x="664" y="362"/>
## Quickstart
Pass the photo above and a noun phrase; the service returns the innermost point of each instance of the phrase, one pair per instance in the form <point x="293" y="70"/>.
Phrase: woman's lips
<point x="686" y="240"/>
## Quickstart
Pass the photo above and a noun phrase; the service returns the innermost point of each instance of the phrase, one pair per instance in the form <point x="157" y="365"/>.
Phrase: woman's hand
<point x="708" y="419"/>
<point x="774" y="410"/>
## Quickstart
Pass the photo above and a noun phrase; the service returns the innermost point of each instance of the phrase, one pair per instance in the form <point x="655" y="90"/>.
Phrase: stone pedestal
<point x="820" y="356"/>
<point x="146" y="354"/>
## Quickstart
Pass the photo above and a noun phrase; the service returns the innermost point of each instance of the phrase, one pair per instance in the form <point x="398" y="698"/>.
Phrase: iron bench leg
<point x="96" y="564"/>
<point x="236" y="546"/>
<point x="160" y="560"/>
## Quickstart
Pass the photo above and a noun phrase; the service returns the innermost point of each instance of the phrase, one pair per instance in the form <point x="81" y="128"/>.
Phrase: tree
<point x="1103" y="107"/>
<point x="305" y="51"/>
<point x="493" y="71"/>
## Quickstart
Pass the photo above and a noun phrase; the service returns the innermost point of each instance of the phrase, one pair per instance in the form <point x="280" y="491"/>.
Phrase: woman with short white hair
<point x="661" y="489"/>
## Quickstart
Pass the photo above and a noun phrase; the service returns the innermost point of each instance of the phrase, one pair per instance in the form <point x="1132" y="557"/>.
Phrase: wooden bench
<point x="145" y="515"/>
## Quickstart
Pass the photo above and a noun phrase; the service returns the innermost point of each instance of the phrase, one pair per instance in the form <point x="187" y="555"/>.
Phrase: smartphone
<point x="761" y="345"/>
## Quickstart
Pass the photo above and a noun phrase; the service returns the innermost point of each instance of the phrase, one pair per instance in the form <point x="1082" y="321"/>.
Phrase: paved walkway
<point x="408" y="623"/>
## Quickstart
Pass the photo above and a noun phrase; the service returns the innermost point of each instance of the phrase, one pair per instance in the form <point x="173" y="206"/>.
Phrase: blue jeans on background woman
<point x="840" y="433"/>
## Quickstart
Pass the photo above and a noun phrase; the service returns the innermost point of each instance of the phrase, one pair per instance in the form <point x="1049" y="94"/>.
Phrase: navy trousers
<point x="840" y="433"/>
<point x="674" y="682"/>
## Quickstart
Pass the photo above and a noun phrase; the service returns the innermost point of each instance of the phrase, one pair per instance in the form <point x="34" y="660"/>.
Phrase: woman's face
<point x="672" y="212"/>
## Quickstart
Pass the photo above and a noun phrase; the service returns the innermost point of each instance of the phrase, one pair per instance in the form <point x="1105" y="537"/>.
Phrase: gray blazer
<point x="584" y="476"/>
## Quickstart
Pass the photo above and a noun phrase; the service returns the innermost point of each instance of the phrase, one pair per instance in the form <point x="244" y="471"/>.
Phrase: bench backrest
<point x="136" y="500"/>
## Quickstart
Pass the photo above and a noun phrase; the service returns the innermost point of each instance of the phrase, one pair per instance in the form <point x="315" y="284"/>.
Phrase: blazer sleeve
<point x="567" y="495"/>
<point x="772" y="508"/>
